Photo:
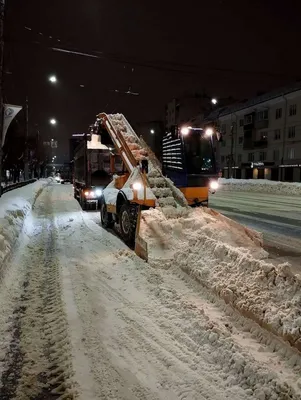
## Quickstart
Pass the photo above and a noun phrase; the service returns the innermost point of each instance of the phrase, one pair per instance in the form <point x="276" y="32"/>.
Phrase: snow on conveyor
<point x="260" y="185"/>
<point x="168" y="196"/>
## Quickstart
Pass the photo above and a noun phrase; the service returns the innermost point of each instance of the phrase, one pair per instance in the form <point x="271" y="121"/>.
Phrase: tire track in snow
<point x="38" y="363"/>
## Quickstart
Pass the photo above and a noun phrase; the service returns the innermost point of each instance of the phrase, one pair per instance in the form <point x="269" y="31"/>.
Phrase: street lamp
<point x="152" y="131"/>
<point x="214" y="101"/>
<point x="53" y="121"/>
<point x="185" y="130"/>
<point x="209" y="132"/>
<point x="52" y="79"/>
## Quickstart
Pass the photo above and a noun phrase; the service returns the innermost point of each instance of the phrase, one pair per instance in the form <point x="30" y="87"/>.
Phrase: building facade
<point x="262" y="136"/>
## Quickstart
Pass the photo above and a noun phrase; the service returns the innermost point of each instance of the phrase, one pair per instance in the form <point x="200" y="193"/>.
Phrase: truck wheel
<point x="105" y="216"/>
<point x="128" y="221"/>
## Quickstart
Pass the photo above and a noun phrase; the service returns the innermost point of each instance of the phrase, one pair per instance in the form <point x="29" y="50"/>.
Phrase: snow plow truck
<point x="141" y="184"/>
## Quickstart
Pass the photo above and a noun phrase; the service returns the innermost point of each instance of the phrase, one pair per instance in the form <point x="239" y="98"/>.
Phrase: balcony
<point x="261" y="144"/>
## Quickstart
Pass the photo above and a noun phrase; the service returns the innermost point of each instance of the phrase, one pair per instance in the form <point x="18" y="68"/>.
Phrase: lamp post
<point x="2" y="9"/>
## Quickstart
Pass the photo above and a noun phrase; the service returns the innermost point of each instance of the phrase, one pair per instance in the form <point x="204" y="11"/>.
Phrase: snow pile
<point x="167" y="232"/>
<point x="14" y="206"/>
<point x="260" y="185"/>
<point x="228" y="259"/>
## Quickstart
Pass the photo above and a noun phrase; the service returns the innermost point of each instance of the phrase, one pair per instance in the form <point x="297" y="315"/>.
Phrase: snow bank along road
<point x="277" y="216"/>
<point x="83" y="317"/>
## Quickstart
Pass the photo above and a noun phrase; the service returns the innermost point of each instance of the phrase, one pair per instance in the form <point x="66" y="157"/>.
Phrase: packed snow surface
<point x="83" y="317"/>
<point x="260" y="185"/>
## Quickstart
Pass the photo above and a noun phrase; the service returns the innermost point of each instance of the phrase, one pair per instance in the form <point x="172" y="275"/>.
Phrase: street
<point x="278" y="217"/>
<point x="82" y="316"/>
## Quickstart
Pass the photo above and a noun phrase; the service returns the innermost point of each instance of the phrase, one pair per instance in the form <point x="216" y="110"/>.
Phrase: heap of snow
<point x="14" y="206"/>
<point x="260" y="185"/>
<point x="228" y="259"/>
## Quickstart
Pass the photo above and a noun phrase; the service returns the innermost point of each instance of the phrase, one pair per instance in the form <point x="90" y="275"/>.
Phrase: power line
<point x="160" y="65"/>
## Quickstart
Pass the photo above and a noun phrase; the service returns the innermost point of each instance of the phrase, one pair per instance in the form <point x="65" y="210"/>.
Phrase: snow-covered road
<point x="82" y="316"/>
<point x="277" y="216"/>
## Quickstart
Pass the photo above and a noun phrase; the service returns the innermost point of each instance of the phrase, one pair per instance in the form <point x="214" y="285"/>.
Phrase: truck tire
<point x="128" y="221"/>
<point x="105" y="216"/>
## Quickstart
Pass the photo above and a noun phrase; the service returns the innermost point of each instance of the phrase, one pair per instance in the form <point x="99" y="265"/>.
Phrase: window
<point x="263" y="135"/>
<point x="262" y="115"/>
<point x="248" y="119"/>
<point x="240" y="140"/>
<point x="223" y="143"/>
<point x="239" y="158"/>
<point x="291" y="153"/>
<point x="224" y="128"/>
<point x="241" y="122"/>
<point x="222" y="159"/>
<point x="291" y="132"/>
<point x="293" y="109"/>
<point x="198" y="154"/>
<point x="276" y="155"/>
<point x="262" y="156"/>
<point x="250" y="156"/>
<point x="277" y="134"/>
<point x="278" y="113"/>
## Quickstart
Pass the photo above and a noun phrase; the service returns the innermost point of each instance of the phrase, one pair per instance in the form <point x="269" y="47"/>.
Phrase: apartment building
<point x="262" y="136"/>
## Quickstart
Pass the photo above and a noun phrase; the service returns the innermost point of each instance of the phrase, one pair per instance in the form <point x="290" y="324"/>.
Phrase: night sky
<point x="226" y="47"/>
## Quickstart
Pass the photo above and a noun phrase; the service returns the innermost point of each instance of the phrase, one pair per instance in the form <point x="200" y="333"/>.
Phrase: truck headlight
<point x="214" y="185"/>
<point x="137" y="186"/>
<point x="98" y="192"/>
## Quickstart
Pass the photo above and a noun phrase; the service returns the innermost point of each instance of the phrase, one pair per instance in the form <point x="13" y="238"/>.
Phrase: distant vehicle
<point x="65" y="180"/>
<point x="91" y="171"/>
<point x="58" y="178"/>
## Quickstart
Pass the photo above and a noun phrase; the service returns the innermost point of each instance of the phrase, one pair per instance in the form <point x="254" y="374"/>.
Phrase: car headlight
<point x="98" y="192"/>
<point x="137" y="186"/>
<point x="214" y="185"/>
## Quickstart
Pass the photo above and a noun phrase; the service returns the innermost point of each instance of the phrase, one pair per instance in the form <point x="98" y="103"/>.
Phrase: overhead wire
<point x="160" y="65"/>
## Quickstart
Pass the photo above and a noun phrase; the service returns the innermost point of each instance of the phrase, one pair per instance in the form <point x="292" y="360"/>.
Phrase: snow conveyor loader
<point x="139" y="186"/>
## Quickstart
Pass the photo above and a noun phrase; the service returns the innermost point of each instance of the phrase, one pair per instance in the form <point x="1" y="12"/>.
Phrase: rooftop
<point x="255" y="100"/>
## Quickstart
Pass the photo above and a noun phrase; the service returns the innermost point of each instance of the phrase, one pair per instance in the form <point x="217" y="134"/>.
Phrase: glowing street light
<point x="214" y="101"/>
<point x="52" y="79"/>
<point x="53" y="121"/>
<point x="209" y="132"/>
<point x="152" y="131"/>
<point x="185" y="130"/>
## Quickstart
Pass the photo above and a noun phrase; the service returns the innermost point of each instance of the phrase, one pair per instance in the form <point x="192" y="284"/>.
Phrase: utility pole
<point x="231" y="159"/>
<point x="26" y="152"/>
<point x="2" y="9"/>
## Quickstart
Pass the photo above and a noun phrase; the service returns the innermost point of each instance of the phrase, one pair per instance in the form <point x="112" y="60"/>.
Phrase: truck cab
<point x="189" y="161"/>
